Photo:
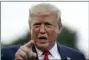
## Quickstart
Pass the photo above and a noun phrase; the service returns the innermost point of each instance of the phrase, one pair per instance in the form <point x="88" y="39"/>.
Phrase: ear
<point x="59" y="31"/>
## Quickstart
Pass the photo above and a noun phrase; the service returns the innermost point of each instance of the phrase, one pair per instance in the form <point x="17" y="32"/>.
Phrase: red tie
<point x="46" y="55"/>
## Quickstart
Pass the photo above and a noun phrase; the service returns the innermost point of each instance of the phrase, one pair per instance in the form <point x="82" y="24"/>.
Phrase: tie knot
<point x="46" y="52"/>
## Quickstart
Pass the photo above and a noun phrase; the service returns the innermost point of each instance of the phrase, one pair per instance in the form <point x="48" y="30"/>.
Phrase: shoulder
<point x="70" y="52"/>
<point x="9" y="52"/>
<point x="68" y="49"/>
<point x="10" y="48"/>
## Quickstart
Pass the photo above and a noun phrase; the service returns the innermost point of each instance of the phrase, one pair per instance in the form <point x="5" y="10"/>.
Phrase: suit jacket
<point x="8" y="53"/>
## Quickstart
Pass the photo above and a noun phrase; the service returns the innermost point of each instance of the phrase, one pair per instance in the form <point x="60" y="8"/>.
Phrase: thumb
<point x="32" y="56"/>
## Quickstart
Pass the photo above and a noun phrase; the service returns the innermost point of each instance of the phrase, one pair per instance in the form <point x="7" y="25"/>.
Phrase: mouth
<point x="43" y="38"/>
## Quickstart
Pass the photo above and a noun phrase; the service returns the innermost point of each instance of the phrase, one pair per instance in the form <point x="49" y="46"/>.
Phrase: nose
<point x="42" y="29"/>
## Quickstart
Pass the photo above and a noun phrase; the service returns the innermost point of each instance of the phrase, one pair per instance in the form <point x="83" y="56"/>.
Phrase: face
<point x="44" y="31"/>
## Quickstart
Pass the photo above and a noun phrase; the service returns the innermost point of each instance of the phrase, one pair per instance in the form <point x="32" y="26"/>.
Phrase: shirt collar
<point x="39" y="52"/>
<point x="53" y="50"/>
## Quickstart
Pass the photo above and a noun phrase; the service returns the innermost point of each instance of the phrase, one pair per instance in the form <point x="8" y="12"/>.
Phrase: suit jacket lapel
<point x="61" y="52"/>
<point x="34" y="50"/>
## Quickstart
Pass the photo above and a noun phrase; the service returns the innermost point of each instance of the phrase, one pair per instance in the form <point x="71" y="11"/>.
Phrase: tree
<point x="67" y="37"/>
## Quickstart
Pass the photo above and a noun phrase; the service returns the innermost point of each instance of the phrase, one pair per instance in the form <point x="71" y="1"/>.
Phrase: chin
<point x="43" y="46"/>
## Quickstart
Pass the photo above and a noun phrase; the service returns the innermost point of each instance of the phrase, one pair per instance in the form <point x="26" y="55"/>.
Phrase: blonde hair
<point x="45" y="9"/>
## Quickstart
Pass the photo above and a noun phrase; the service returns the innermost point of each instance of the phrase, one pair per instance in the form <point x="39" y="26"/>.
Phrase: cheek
<point x="52" y="34"/>
<point x="34" y="33"/>
<point x="52" y="37"/>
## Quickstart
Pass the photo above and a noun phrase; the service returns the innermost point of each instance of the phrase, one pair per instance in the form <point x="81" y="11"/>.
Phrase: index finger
<point x="29" y="44"/>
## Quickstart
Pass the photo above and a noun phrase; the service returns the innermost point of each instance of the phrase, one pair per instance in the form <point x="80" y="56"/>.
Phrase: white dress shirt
<point x="54" y="54"/>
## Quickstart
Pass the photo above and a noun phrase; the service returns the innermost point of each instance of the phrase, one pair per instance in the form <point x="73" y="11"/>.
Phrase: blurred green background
<point x="67" y="37"/>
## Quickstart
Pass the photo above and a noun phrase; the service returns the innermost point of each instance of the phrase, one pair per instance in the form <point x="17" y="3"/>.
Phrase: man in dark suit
<point x="45" y="25"/>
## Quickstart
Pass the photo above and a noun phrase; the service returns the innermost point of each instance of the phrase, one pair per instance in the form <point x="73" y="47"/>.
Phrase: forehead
<point x="41" y="17"/>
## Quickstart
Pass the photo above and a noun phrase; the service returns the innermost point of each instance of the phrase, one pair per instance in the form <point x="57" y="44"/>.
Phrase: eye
<point x="37" y="24"/>
<point x="48" y="24"/>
